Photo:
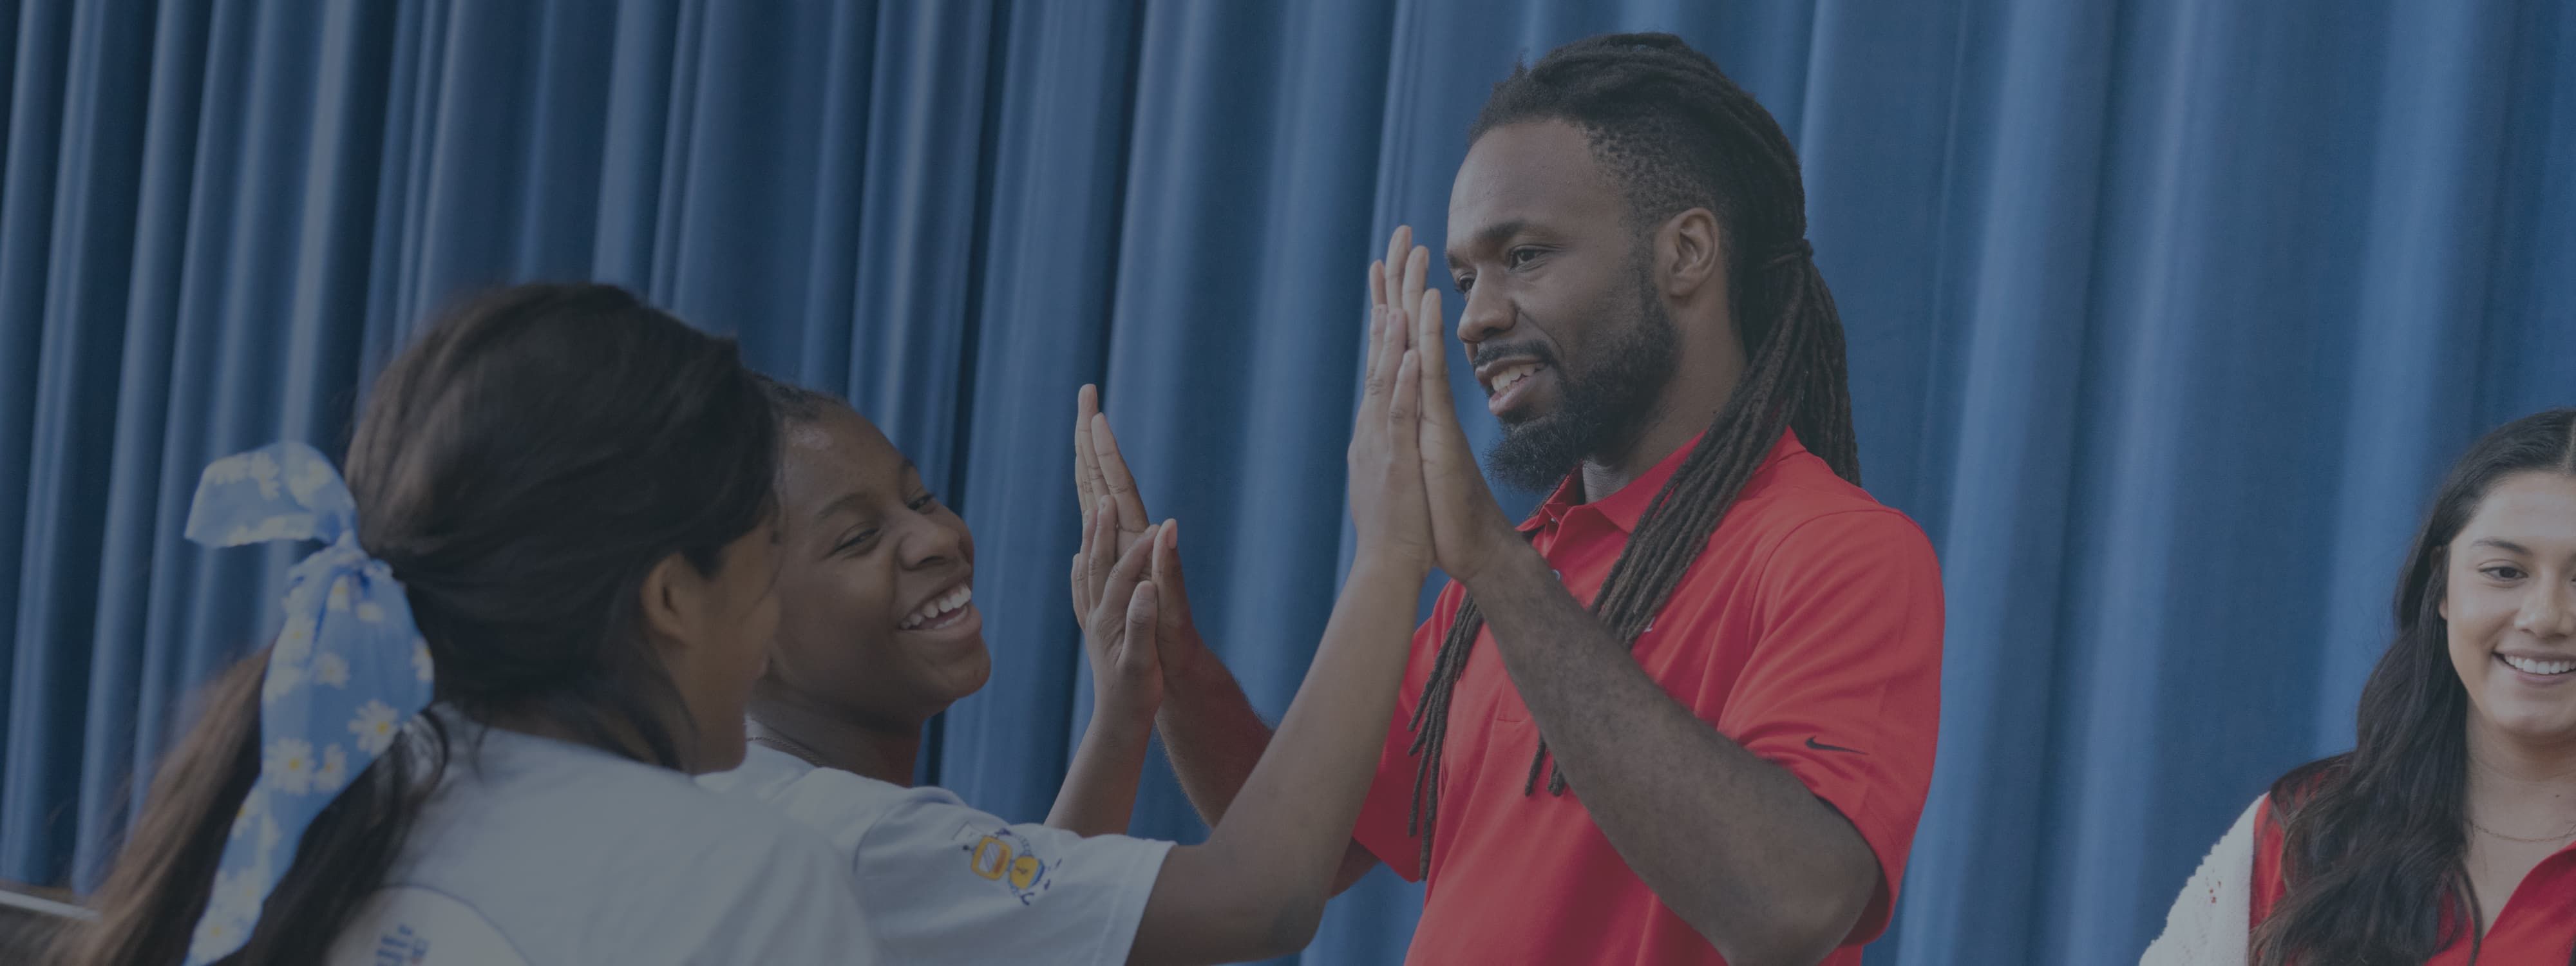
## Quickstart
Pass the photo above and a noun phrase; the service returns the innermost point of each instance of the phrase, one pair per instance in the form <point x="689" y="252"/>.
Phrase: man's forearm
<point x="1305" y="794"/>
<point x="1214" y="738"/>
<point x="1211" y="733"/>
<point x="1734" y="844"/>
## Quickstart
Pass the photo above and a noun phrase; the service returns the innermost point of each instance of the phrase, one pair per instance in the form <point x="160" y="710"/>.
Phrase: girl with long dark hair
<point x="545" y="593"/>
<point x="2448" y="834"/>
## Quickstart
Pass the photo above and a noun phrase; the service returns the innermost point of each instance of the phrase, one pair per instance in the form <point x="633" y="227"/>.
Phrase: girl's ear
<point x="674" y="600"/>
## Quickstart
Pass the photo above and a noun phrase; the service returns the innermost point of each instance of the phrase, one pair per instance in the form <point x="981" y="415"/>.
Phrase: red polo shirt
<point x="1809" y="631"/>
<point x="2537" y="924"/>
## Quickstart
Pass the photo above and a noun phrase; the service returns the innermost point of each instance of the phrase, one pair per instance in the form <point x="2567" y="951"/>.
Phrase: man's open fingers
<point x="1433" y="346"/>
<point x="1115" y="479"/>
<point x="1369" y="353"/>
<point x="1391" y="271"/>
<point x="1100" y="548"/>
<point x="1086" y="466"/>
<point x="1405" y="403"/>
<point x="1081" y="587"/>
<point x="1380" y="379"/>
<point x="1417" y="270"/>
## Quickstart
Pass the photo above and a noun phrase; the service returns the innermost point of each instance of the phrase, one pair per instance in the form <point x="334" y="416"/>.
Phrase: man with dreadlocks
<point x="1685" y="712"/>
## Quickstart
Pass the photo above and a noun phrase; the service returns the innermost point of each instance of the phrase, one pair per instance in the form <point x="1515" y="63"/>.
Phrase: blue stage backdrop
<point x="2164" y="316"/>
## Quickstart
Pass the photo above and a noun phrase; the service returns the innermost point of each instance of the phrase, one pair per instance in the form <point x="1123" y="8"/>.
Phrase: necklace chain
<point x="2560" y="837"/>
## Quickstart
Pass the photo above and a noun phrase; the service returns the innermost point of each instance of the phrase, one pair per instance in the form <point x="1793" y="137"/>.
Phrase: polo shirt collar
<point x="1624" y="507"/>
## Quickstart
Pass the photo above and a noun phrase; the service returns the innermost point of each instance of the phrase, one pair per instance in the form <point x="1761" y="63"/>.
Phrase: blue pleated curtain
<point x="2164" y="316"/>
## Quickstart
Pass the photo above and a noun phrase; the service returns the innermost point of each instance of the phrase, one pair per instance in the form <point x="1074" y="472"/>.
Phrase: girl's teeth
<point x="2540" y="667"/>
<point x="938" y="607"/>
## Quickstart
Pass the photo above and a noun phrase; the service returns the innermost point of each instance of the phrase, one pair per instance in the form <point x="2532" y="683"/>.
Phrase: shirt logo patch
<point x="1821" y="746"/>
<point x="400" y="946"/>
<point x="1010" y="860"/>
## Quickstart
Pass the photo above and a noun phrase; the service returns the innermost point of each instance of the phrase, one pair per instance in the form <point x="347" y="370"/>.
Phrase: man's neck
<point x="2531" y="786"/>
<point x="885" y="752"/>
<point x="1667" y="429"/>
<point x="1691" y="399"/>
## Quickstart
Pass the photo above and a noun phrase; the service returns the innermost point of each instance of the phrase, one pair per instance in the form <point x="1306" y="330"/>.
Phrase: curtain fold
<point x="2164" y="318"/>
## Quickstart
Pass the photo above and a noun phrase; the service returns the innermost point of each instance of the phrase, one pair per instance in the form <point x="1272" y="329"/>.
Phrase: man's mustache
<point x="1489" y="351"/>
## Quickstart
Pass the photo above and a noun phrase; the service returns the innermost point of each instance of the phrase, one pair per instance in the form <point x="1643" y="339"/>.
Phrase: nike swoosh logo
<point x="1821" y="746"/>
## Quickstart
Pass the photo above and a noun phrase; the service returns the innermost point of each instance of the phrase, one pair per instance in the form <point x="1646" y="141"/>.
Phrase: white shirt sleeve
<point x="941" y="882"/>
<point x="797" y="909"/>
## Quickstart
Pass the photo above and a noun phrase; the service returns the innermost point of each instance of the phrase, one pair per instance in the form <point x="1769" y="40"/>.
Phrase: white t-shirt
<point x="940" y="882"/>
<point x="572" y="855"/>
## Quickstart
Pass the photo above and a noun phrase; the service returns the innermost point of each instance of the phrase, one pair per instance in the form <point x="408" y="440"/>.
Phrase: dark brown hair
<point x="1677" y="135"/>
<point x="2374" y="840"/>
<point x="796" y="405"/>
<point x="521" y="468"/>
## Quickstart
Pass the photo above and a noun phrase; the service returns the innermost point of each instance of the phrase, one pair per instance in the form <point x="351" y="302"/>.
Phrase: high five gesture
<point x="1467" y="525"/>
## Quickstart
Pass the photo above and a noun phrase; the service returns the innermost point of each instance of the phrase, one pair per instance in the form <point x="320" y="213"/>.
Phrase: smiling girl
<point x="879" y="630"/>
<point x="2448" y="834"/>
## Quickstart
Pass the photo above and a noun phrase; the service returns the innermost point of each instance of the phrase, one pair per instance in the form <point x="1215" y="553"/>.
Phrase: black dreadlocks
<point x="1678" y="135"/>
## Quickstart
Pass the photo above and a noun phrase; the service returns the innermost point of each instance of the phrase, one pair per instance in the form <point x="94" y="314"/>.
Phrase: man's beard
<point x="1602" y="408"/>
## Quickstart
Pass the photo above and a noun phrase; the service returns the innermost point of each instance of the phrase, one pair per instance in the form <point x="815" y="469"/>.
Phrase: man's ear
<point x="1689" y="256"/>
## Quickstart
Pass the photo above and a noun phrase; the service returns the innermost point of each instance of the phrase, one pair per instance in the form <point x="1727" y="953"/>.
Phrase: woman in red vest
<point x="2448" y="834"/>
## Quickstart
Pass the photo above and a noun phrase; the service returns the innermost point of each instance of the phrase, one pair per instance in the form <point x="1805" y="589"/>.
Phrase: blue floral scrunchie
<point x="348" y="672"/>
